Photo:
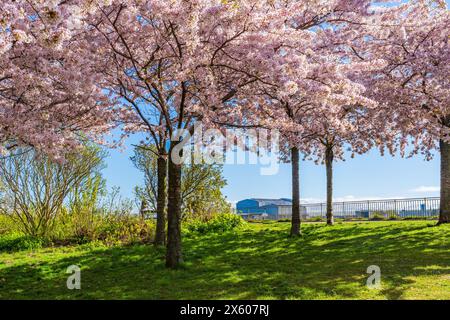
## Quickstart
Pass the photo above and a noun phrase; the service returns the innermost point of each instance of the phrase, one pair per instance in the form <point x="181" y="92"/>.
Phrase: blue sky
<point x="370" y="176"/>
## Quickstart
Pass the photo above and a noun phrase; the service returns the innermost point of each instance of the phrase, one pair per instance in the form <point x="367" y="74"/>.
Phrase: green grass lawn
<point x="258" y="262"/>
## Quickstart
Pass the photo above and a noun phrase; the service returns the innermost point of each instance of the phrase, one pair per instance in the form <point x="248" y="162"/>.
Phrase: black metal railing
<point x="388" y="209"/>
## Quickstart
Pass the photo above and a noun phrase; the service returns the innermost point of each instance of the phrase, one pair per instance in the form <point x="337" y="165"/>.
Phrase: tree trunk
<point x="160" y="238"/>
<point x="444" y="216"/>
<point x="173" y="255"/>
<point x="329" y="157"/>
<point x="295" y="228"/>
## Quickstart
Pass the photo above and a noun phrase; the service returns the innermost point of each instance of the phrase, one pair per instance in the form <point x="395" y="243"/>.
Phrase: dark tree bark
<point x="329" y="158"/>
<point x="160" y="238"/>
<point x="444" y="216"/>
<point x="296" y="221"/>
<point x="173" y="254"/>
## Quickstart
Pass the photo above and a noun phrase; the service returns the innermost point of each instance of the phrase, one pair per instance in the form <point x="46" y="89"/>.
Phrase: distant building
<point x="273" y="209"/>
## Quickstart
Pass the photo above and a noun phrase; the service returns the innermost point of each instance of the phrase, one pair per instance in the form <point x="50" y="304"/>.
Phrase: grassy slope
<point x="260" y="262"/>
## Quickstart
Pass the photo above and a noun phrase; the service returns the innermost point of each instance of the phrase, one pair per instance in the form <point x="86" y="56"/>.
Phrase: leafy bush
<point x="109" y="230"/>
<point x="17" y="242"/>
<point x="83" y="208"/>
<point x="220" y="223"/>
<point x="412" y="218"/>
<point x="377" y="216"/>
<point x="316" y="219"/>
<point x="45" y="185"/>
<point x="125" y="230"/>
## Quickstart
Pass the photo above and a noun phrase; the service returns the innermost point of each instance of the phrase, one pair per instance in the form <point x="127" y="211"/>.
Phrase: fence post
<point x="395" y="208"/>
<point x="425" y="207"/>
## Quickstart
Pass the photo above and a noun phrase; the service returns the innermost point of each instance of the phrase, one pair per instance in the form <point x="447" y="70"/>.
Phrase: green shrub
<point x="413" y="218"/>
<point x="220" y="223"/>
<point x="125" y="230"/>
<point x="18" y="242"/>
<point x="315" y="219"/>
<point x="377" y="216"/>
<point x="109" y="230"/>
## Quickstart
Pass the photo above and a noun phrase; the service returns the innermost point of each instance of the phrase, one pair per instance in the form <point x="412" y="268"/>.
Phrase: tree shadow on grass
<point x="259" y="263"/>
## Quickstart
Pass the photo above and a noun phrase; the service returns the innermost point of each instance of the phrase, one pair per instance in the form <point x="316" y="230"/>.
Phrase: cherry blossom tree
<point x="351" y="123"/>
<point x="346" y="128"/>
<point x="341" y="96"/>
<point x="174" y="64"/>
<point x="310" y="87"/>
<point x="413" y="87"/>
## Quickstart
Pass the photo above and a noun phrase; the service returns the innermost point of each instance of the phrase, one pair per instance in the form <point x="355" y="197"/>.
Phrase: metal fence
<point x="389" y="209"/>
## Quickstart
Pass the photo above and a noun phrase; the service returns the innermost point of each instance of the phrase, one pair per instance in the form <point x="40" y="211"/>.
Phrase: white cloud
<point x="426" y="189"/>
